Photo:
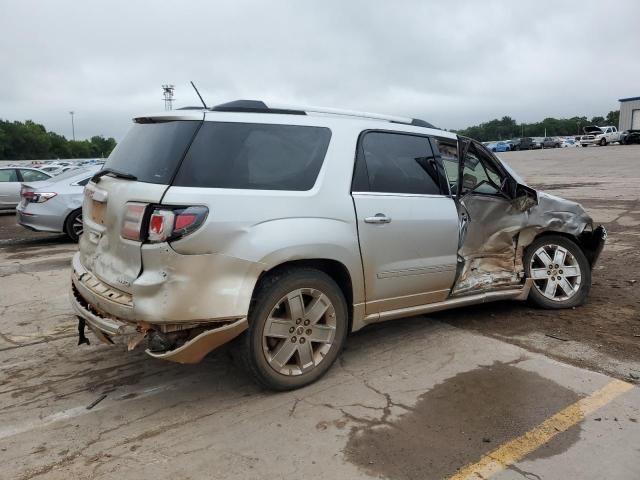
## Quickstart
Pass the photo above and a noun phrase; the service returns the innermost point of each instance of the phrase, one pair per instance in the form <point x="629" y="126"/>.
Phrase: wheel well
<point x="585" y="241"/>
<point x="336" y="270"/>
<point x="66" y="219"/>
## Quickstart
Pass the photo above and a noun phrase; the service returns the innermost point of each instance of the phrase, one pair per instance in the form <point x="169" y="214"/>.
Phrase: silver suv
<point x="287" y="228"/>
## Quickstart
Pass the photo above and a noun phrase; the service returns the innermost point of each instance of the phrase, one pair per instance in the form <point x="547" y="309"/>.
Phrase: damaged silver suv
<point x="287" y="228"/>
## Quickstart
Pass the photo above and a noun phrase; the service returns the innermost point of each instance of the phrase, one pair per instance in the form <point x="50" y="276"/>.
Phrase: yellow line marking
<point x="516" y="449"/>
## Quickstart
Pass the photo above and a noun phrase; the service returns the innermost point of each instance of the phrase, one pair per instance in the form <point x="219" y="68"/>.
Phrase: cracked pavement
<point x="411" y="398"/>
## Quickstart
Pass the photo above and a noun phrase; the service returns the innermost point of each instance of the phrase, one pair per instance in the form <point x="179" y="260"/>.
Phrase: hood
<point x="593" y="130"/>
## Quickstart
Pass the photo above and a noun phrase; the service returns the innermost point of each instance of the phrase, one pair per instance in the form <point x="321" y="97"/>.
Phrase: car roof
<point x="259" y="112"/>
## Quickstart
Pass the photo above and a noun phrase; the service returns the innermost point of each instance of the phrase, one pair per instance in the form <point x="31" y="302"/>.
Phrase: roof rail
<point x="258" y="106"/>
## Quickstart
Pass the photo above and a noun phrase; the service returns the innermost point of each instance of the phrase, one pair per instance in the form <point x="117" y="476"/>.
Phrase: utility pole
<point x="167" y="93"/>
<point x="73" y="127"/>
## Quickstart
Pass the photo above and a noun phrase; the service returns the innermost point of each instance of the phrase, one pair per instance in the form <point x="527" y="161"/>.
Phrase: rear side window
<point x="152" y="151"/>
<point x="33" y="176"/>
<point x="398" y="163"/>
<point x="254" y="156"/>
<point x="8" y="175"/>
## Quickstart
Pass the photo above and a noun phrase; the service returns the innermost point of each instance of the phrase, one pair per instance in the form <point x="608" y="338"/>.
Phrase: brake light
<point x="172" y="223"/>
<point x="132" y="221"/>
<point x="36" y="197"/>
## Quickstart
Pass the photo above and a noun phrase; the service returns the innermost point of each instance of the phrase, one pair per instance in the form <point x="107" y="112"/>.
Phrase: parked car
<point x="536" y="143"/>
<point x="599" y="136"/>
<point x="500" y="147"/>
<point x="285" y="228"/>
<point x="550" y="142"/>
<point x="55" y="205"/>
<point x="629" y="137"/>
<point x="524" y="143"/>
<point x="10" y="182"/>
<point x="568" y="142"/>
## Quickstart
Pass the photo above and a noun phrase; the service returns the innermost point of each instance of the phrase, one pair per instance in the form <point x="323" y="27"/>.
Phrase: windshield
<point x="152" y="151"/>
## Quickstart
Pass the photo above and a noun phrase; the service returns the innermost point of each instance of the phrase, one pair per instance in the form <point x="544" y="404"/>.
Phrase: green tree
<point x="613" y="118"/>
<point x="31" y="141"/>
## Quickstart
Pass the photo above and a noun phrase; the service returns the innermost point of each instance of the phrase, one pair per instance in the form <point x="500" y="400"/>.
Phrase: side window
<point x="398" y="163"/>
<point x="8" y="175"/>
<point x="480" y="174"/>
<point x="32" y="175"/>
<point x="84" y="182"/>
<point x="449" y="153"/>
<point x="254" y="156"/>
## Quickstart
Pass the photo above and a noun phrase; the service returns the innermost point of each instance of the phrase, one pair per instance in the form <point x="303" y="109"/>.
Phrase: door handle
<point x="378" y="218"/>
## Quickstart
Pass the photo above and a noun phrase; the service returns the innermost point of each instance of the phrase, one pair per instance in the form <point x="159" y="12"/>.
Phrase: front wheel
<point x="603" y="142"/>
<point x="560" y="271"/>
<point x="73" y="225"/>
<point x="297" y="328"/>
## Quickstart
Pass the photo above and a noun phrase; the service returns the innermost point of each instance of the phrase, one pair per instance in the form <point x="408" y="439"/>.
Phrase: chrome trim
<point x="389" y="194"/>
<point x="416" y="271"/>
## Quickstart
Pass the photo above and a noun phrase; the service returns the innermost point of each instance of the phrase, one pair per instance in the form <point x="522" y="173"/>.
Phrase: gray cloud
<point x="451" y="63"/>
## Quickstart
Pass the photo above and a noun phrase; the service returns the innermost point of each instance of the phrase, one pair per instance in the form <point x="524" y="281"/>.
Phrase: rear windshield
<point x="152" y="151"/>
<point x="254" y="156"/>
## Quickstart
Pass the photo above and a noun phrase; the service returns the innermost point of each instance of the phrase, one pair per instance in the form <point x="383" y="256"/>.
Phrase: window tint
<point x="8" y="175"/>
<point x="254" y="156"/>
<point x="398" y="163"/>
<point x="152" y="151"/>
<point x="33" y="175"/>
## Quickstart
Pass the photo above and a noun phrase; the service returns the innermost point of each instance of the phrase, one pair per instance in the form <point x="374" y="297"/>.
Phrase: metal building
<point x="629" y="114"/>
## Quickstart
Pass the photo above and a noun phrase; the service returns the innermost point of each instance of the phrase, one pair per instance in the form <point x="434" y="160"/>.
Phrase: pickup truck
<point x="599" y="136"/>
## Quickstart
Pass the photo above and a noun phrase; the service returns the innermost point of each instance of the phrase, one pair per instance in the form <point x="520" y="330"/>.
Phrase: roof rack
<point x="258" y="106"/>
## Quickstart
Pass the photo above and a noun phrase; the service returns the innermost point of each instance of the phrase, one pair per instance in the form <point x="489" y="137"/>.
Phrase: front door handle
<point x="378" y="218"/>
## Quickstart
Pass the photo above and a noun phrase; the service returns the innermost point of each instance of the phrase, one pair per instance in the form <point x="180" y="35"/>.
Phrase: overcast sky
<point x="451" y="63"/>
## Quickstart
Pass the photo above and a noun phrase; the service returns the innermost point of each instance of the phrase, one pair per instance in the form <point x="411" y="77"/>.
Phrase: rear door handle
<point x="378" y="218"/>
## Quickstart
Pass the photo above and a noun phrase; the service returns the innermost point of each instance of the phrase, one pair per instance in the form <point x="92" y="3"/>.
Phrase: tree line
<point x="31" y="141"/>
<point x="507" y="128"/>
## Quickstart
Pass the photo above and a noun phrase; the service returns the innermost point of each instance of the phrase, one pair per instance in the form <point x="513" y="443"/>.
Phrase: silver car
<point x="55" y="205"/>
<point x="11" y="179"/>
<point x="286" y="228"/>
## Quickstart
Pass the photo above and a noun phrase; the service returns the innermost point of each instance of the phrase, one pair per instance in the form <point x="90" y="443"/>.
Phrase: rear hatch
<point x="141" y="169"/>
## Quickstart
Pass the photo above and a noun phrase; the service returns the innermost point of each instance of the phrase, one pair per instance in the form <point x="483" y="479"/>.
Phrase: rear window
<point x="152" y="151"/>
<point x="254" y="156"/>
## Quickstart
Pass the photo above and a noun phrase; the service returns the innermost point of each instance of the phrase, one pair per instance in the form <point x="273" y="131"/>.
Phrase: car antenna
<point x="199" y="96"/>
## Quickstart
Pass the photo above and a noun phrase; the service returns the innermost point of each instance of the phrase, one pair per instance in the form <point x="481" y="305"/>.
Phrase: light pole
<point x="73" y="127"/>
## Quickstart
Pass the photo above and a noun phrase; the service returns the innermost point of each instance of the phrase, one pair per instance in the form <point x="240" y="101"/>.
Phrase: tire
<point x="584" y="145"/>
<point x="603" y="142"/>
<point x="73" y="225"/>
<point x="289" y="325"/>
<point x="573" y="271"/>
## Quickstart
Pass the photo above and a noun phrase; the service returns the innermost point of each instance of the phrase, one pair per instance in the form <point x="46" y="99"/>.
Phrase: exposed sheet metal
<point x="497" y="231"/>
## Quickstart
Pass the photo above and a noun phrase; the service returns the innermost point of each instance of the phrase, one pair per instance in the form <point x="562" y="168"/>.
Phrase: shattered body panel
<point x="498" y="231"/>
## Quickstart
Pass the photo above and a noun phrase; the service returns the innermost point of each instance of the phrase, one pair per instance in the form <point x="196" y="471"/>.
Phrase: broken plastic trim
<point x="197" y="348"/>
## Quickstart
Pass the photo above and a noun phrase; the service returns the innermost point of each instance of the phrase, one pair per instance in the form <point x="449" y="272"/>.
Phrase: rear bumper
<point x="40" y="218"/>
<point x="111" y="329"/>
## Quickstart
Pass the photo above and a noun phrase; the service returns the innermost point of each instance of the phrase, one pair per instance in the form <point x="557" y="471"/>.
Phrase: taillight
<point x="36" y="197"/>
<point x="172" y="223"/>
<point x="132" y="221"/>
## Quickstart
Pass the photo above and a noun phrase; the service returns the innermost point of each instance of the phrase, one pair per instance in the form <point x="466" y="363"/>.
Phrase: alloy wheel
<point x="299" y="331"/>
<point x="76" y="226"/>
<point x="555" y="272"/>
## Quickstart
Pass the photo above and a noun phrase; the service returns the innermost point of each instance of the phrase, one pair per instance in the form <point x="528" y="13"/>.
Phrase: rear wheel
<point x="560" y="271"/>
<point x="73" y="225"/>
<point x="297" y="328"/>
